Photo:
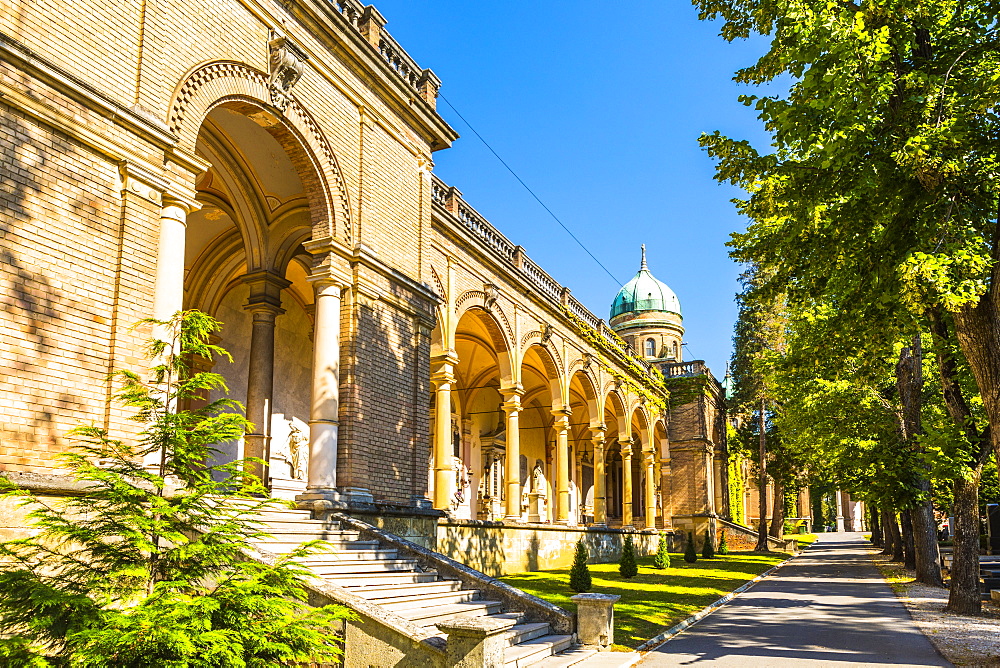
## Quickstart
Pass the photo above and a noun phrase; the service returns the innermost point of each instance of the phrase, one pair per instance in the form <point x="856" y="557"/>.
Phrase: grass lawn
<point x="653" y="600"/>
<point x="803" y="539"/>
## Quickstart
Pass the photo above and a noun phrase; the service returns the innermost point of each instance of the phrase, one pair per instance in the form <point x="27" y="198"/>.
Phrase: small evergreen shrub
<point x="690" y="553"/>
<point x="133" y="574"/>
<point x="723" y="545"/>
<point x="708" y="550"/>
<point x="627" y="566"/>
<point x="579" y="575"/>
<point x="662" y="558"/>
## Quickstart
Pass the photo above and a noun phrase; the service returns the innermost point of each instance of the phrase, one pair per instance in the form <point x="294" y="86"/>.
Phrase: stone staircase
<point x="399" y="584"/>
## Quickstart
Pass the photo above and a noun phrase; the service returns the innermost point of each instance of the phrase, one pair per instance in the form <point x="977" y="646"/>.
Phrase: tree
<point x="880" y="192"/>
<point x="662" y="558"/>
<point x="723" y="545"/>
<point x="579" y="574"/>
<point x="690" y="553"/>
<point x="708" y="549"/>
<point x="627" y="567"/>
<point x="134" y="574"/>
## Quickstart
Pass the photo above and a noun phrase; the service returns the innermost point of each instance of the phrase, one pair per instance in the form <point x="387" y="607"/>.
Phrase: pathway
<point x="828" y="607"/>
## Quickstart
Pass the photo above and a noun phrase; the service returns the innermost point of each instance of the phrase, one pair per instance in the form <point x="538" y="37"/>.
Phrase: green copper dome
<point x="645" y="293"/>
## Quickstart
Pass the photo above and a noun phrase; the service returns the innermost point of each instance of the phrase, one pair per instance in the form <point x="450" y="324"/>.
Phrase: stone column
<point x="578" y="481"/>
<point x="626" y="446"/>
<point x="600" y="483"/>
<point x="561" y="425"/>
<point x="650" y="491"/>
<point x="840" y="511"/>
<point x="324" y="417"/>
<point x="168" y="290"/>
<point x="168" y="286"/>
<point x="443" y="378"/>
<point x="512" y="409"/>
<point x="265" y="305"/>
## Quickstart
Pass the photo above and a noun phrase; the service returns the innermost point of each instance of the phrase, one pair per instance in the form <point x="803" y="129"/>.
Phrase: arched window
<point x="675" y="352"/>
<point x="650" y="348"/>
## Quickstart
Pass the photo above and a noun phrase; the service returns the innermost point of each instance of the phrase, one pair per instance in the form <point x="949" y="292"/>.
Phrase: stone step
<point x="329" y="535"/>
<point x="340" y="556"/>
<point x="378" y="592"/>
<point x="432" y="615"/>
<point x="284" y="547"/>
<point x="526" y="631"/>
<point x="362" y="566"/>
<point x="399" y="603"/>
<point x="292" y="524"/>
<point x="570" y="657"/>
<point x="531" y="652"/>
<point x="362" y="580"/>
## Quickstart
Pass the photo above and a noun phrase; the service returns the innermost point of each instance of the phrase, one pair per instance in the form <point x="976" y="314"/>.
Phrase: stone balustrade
<point x="371" y="25"/>
<point x="450" y="200"/>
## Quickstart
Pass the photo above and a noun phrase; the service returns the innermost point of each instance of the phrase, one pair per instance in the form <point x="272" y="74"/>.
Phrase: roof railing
<point x="371" y="25"/>
<point x="450" y="199"/>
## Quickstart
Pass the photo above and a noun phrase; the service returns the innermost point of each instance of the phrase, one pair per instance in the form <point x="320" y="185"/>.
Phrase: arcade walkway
<point x="828" y="607"/>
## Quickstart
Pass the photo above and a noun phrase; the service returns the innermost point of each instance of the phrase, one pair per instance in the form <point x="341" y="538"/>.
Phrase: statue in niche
<point x="538" y="478"/>
<point x="297" y="444"/>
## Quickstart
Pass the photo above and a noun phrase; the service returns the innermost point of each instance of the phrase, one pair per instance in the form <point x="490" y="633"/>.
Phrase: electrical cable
<point x="530" y="191"/>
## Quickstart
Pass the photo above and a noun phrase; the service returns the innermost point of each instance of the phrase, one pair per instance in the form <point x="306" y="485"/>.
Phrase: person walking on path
<point x="828" y="607"/>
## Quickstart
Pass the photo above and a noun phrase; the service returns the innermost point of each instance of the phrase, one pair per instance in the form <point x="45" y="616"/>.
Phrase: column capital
<point x="512" y="404"/>
<point x="265" y="292"/>
<point x="626" y="448"/>
<point x="598" y="433"/>
<point x="445" y="358"/>
<point x="443" y="378"/>
<point x="561" y="420"/>
<point x="328" y="280"/>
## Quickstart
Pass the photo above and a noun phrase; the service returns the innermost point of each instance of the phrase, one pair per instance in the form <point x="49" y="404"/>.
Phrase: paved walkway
<point x="828" y="607"/>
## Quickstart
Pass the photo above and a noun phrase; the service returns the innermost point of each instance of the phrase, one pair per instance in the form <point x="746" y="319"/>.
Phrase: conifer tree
<point x="690" y="553"/>
<point x="723" y="545"/>
<point x="708" y="550"/>
<point x="627" y="566"/>
<point x="579" y="575"/>
<point x="662" y="558"/>
<point x="135" y="573"/>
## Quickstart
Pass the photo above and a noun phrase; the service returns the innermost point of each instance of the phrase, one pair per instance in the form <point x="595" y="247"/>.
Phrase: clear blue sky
<point x="598" y="107"/>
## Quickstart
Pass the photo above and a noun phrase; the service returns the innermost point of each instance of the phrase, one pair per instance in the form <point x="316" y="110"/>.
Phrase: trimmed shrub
<point x="690" y="553"/>
<point x="723" y="545"/>
<point x="579" y="575"/>
<point x="627" y="566"/>
<point x="662" y="558"/>
<point x="708" y="550"/>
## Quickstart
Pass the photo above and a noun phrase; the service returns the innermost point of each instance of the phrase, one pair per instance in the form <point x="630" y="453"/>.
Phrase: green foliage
<point x="736" y="484"/>
<point x="148" y="568"/>
<point x="723" y="545"/>
<point x="579" y="574"/>
<point x="708" y="549"/>
<point x="662" y="558"/>
<point x="627" y="566"/>
<point x="690" y="552"/>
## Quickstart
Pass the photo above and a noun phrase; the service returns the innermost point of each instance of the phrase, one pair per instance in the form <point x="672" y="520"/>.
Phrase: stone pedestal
<point x="536" y="507"/>
<point x="476" y="642"/>
<point x="595" y="619"/>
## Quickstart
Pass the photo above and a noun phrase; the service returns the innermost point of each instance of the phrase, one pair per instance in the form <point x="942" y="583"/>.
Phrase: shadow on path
<point x="828" y="607"/>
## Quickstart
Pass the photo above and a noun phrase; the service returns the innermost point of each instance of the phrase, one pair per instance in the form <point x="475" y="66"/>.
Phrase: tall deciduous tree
<point x="881" y="188"/>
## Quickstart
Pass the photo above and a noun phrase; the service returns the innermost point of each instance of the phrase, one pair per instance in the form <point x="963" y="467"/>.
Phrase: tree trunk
<point x="978" y="332"/>
<point x="890" y="545"/>
<point x="876" y="528"/>
<point x="906" y="527"/>
<point x="762" y="485"/>
<point x="897" y="539"/>
<point x="928" y="557"/>
<point x="964" y="597"/>
<point x="778" y="513"/>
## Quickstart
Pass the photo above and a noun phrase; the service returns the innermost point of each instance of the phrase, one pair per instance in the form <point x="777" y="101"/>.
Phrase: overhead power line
<point x="530" y="191"/>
